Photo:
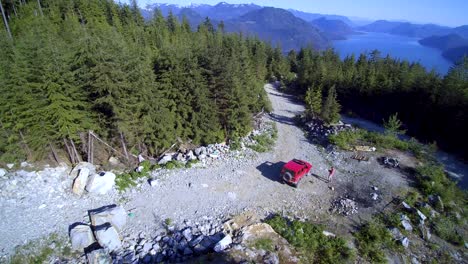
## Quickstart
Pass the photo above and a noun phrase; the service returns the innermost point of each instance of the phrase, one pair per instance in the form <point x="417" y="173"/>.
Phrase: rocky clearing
<point x="35" y="204"/>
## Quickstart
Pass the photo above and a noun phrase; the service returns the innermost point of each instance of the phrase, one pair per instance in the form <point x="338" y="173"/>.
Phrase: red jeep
<point x="294" y="170"/>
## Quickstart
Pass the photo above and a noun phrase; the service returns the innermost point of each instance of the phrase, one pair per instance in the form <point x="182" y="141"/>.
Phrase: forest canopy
<point x="74" y="66"/>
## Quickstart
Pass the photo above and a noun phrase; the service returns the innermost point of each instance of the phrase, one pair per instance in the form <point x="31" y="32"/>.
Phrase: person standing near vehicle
<point x="331" y="174"/>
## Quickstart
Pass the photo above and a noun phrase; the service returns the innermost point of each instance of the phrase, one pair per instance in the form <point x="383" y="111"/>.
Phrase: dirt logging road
<point x="35" y="208"/>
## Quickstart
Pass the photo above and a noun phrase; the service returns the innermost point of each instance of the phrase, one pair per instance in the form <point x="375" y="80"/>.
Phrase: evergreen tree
<point x="331" y="108"/>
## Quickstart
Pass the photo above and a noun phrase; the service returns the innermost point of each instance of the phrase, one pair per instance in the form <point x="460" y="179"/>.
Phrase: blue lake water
<point x="404" y="48"/>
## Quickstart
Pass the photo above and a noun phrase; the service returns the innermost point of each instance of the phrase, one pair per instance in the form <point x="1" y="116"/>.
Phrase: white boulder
<point x="113" y="214"/>
<point x="165" y="159"/>
<point x="74" y="172"/>
<point x="101" y="183"/>
<point x="3" y="172"/>
<point x="79" y="183"/>
<point x="108" y="237"/>
<point x="81" y="237"/>
<point x="223" y="244"/>
<point x="98" y="256"/>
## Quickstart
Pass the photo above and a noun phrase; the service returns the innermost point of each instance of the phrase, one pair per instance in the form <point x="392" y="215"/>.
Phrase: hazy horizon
<point x="449" y="13"/>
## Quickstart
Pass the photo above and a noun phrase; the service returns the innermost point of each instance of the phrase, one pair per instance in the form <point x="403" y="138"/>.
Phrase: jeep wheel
<point x="287" y="177"/>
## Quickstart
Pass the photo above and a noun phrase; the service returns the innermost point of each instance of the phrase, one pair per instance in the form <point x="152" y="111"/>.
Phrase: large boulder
<point x="113" y="214"/>
<point x="98" y="256"/>
<point x="81" y="237"/>
<point x="79" y="183"/>
<point x="223" y="244"/>
<point x="74" y="172"/>
<point x="108" y="237"/>
<point x="3" y="172"/>
<point x="165" y="159"/>
<point x="101" y="183"/>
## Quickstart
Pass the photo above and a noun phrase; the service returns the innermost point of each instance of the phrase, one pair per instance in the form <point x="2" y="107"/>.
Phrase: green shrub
<point x="446" y="228"/>
<point x="263" y="243"/>
<point x="308" y="238"/>
<point x="372" y="240"/>
<point x="173" y="164"/>
<point x="190" y="163"/>
<point x="432" y="180"/>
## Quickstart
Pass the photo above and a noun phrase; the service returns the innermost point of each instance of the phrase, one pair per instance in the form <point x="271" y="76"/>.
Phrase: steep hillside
<point x="382" y="26"/>
<point x="462" y="31"/>
<point x="313" y="16"/>
<point x="444" y="42"/>
<point x="278" y="26"/>
<point x="412" y="30"/>
<point x="455" y="54"/>
<point x="333" y="29"/>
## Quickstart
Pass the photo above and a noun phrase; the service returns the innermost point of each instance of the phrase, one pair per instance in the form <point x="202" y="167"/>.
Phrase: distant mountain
<point x="413" y="30"/>
<point x="192" y="16"/>
<point x="444" y="42"/>
<point x="382" y="26"/>
<point x="333" y="29"/>
<point x="462" y="31"/>
<point x="420" y="31"/>
<point x="314" y="16"/>
<point x="224" y="11"/>
<point x="278" y="26"/>
<point x="164" y="8"/>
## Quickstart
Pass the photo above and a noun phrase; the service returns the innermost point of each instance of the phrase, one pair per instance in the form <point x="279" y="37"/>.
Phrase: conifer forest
<point x="72" y="66"/>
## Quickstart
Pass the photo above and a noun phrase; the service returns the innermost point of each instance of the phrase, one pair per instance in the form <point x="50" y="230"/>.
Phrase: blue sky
<point x="448" y="12"/>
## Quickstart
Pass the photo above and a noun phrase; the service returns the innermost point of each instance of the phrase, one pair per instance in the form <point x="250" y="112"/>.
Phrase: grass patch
<point x="41" y="250"/>
<point x="263" y="243"/>
<point x="373" y="239"/>
<point x="448" y="228"/>
<point x="127" y="180"/>
<point x="173" y="164"/>
<point x="313" y="245"/>
<point x="190" y="163"/>
<point x="265" y="141"/>
<point x="347" y="139"/>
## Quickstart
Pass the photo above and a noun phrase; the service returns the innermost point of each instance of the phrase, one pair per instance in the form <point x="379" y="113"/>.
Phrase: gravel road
<point x="34" y="207"/>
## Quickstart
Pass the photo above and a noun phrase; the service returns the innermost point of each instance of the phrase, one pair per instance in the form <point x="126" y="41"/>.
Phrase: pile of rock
<point x="212" y="151"/>
<point x="344" y="206"/>
<point x="86" y="178"/>
<point x="169" y="244"/>
<point x="319" y="130"/>
<point x="101" y="237"/>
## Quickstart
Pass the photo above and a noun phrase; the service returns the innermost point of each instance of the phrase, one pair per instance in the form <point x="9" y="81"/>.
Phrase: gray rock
<point x="113" y="214"/>
<point x="405" y="242"/>
<point x="196" y="241"/>
<point x="108" y="237"/>
<point x="202" y="157"/>
<point x="74" y="172"/>
<point x="81" y="237"/>
<point x="271" y="258"/>
<point x="187" y="233"/>
<point x="406" y="225"/>
<point x="396" y="234"/>
<point x="421" y="215"/>
<point x="223" y="244"/>
<point x="165" y="159"/>
<point x="114" y="161"/>
<point x="374" y="196"/>
<point x="147" y="247"/>
<point x="199" y="249"/>
<point x="101" y="183"/>
<point x="3" y="172"/>
<point x="180" y="157"/>
<point x="80" y="181"/>
<point x="98" y="256"/>
<point x="405" y="205"/>
<point x="190" y="155"/>
<point x="153" y="182"/>
<point x="188" y="251"/>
